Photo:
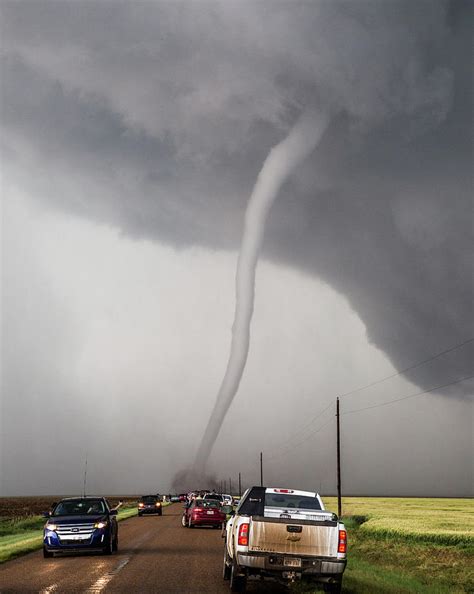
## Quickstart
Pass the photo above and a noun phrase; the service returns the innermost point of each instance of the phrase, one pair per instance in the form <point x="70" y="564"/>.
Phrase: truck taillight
<point x="243" y="539"/>
<point x="342" y="548"/>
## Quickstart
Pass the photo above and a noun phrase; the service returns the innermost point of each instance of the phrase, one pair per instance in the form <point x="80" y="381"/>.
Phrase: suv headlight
<point x="51" y="527"/>
<point x="100" y="524"/>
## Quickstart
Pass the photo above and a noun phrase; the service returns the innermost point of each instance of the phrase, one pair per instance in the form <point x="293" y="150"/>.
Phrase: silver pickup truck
<point x="284" y="534"/>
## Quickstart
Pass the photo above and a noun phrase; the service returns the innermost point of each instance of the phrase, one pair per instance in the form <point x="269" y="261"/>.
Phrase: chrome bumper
<point x="275" y="563"/>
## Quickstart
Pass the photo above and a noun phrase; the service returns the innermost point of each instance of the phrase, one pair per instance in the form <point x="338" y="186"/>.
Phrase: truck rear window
<point x="286" y="501"/>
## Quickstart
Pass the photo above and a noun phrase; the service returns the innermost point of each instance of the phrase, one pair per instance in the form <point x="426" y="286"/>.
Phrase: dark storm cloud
<point x="156" y="117"/>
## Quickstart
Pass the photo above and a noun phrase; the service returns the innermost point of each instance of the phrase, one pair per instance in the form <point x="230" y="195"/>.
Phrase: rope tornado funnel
<point x="278" y="166"/>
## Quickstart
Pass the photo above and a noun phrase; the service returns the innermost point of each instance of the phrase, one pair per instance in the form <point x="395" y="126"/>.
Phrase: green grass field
<point x="399" y="545"/>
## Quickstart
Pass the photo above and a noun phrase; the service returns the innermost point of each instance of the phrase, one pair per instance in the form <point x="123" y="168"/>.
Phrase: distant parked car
<point x="203" y="512"/>
<point x="80" y="524"/>
<point x="150" y="504"/>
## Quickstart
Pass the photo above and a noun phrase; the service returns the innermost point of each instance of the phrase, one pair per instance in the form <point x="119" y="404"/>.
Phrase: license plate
<point x="210" y="513"/>
<point x="292" y="562"/>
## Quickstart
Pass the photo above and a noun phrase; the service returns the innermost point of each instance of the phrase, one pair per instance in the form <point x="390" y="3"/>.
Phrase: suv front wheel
<point x="108" y="549"/>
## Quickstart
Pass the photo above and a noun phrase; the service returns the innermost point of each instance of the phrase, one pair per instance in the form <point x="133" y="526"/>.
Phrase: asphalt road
<point x="156" y="554"/>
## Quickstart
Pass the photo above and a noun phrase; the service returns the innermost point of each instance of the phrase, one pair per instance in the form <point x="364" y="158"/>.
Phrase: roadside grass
<point x="408" y="545"/>
<point x="22" y="535"/>
<point x="14" y="545"/>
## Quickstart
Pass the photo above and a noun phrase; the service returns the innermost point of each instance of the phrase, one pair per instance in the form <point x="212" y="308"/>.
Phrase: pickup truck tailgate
<point x="271" y="535"/>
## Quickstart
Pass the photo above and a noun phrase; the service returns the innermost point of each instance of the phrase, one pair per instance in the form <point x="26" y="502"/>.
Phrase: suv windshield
<point x="149" y="499"/>
<point x="286" y="501"/>
<point x="79" y="507"/>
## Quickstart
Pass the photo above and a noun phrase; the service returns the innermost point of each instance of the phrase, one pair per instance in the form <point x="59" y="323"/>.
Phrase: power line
<point x="324" y="425"/>
<point x="320" y="428"/>
<point x="290" y="439"/>
<point x="453" y="348"/>
<point x="313" y="419"/>
<point x="463" y="379"/>
<point x="414" y="366"/>
<point x="376" y="382"/>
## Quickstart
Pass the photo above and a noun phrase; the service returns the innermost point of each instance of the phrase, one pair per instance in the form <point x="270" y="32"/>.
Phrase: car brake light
<point x="283" y="491"/>
<point x="243" y="539"/>
<point x="342" y="548"/>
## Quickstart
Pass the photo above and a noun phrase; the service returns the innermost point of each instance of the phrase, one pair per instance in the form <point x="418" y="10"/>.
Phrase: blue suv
<point x="81" y="524"/>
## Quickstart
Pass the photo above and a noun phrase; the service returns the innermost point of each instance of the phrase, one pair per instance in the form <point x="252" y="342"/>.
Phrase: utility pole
<point x="230" y="486"/>
<point x="240" y="485"/>
<point x="261" y="469"/>
<point x="339" y="496"/>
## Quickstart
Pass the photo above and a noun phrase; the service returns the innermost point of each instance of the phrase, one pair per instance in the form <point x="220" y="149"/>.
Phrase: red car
<point x="203" y="512"/>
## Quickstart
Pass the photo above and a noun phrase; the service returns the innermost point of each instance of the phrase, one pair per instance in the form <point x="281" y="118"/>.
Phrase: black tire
<point x="183" y="521"/>
<point x="238" y="583"/>
<point x="140" y="515"/>
<point x="47" y="554"/>
<point x="108" y="549"/>
<point x="115" y="543"/>
<point x="226" y="568"/>
<point x="335" y="588"/>
<point x="160" y="513"/>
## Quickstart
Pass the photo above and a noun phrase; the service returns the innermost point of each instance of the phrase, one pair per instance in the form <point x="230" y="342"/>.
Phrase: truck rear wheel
<point x="335" y="588"/>
<point x="226" y="568"/>
<point x="238" y="583"/>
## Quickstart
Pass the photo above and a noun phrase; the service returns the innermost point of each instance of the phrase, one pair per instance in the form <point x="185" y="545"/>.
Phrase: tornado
<point x="278" y="166"/>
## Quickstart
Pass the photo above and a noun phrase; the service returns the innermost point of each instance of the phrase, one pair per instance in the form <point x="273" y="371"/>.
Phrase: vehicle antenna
<point x="85" y="476"/>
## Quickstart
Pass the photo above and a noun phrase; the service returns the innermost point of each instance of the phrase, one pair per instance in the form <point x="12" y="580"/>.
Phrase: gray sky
<point x="132" y="135"/>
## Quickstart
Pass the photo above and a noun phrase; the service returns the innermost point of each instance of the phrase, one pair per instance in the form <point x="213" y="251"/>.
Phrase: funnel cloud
<point x="280" y="163"/>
